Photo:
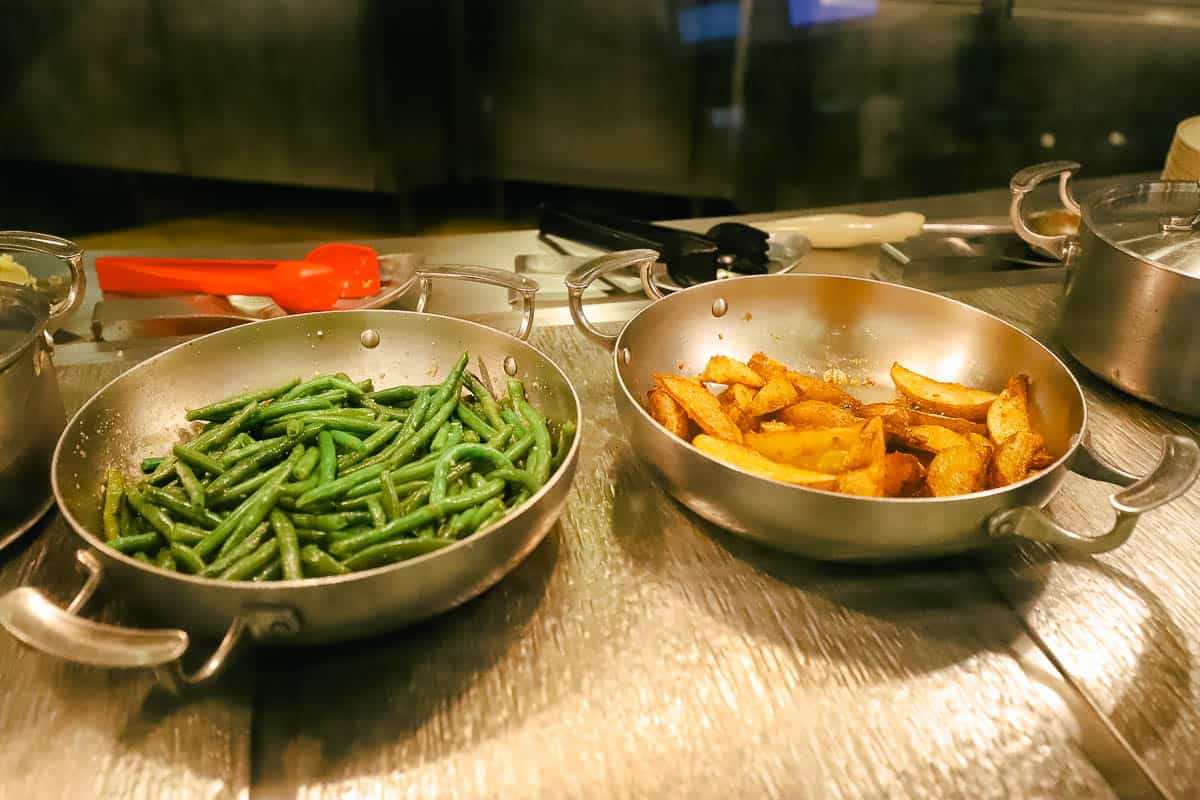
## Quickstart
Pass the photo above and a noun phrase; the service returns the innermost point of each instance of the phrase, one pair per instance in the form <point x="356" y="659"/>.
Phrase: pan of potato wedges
<point x="847" y="419"/>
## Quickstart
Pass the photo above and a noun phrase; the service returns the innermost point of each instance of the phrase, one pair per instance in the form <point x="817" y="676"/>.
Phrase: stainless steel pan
<point x="1132" y="281"/>
<point x="139" y="414"/>
<point x="819" y="322"/>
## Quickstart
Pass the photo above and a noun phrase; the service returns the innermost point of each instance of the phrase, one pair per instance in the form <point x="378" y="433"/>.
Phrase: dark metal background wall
<point x="740" y="100"/>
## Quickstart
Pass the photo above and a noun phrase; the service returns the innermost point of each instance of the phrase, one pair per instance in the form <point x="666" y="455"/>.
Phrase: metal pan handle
<point x="62" y="249"/>
<point x="1024" y="182"/>
<point x="1177" y="469"/>
<point x="582" y="277"/>
<point x="527" y="288"/>
<point x="33" y="618"/>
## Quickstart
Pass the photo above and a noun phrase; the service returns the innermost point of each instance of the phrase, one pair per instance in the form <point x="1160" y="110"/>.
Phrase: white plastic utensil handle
<point x="837" y="231"/>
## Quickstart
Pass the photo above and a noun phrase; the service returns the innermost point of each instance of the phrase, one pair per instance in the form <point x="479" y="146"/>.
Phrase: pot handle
<point x="1177" y="469"/>
<point x="33" y="618"/>
<point x="527" y="288"/>
<point x="62" y="249"/>
<point x="582" y="277"/>
<point x="1025" y="182"/>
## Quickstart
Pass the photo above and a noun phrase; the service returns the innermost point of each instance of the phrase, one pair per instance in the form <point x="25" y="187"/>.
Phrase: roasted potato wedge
<point x="735" y="400"/>
<point x="959" y="470"/>
<point x="776" y="394"/>
<point x="866" y="462"/>
<point x="1010" y="413"/>
<point x="1013" y="458"/>
<point x="814" y="414"/>
<point x="771" y="425"/>
<point x="932" y="438"/>
<point x="723" y="369"/>
<point x="896" y="418"/>
<point x="766" y="366"/>
<point x="919" y="417"/>
<point x="951" y="399"/>
<point x="811" y="388"/>
<point x="668" y="413"/>
<point x="752" y="461"/>
<point x="701" y="405"/>
<point x="1041" y="459"/>
<point x="821" y="450"/>
<point x="903" y="475"/>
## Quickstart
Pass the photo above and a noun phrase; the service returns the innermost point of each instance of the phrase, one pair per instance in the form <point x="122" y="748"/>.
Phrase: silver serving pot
<point x="140" y="413"/>
<point x="820" y="322"/>
<point x="1129" y="313"/>
<point x="31" y="411"/>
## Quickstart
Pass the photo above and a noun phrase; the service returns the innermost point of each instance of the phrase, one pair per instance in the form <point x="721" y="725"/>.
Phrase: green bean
<point x="322" y="382"/>
<point x="243" y="469"/>
<point x="241" y="440"/>
<point x="186" y="559"/>
<point x="308" y="462"/>
<point x="235" y="539"/>
<point x="487" y="400"/>
<point x="515" y="419"/>
<point x="163" y="472"/>
<point x="136" y="543"/>
<point x="410" y="426"/>
<point x="234" y="455"/>
<point x="319" y="564"/>
<point x="416" y="519"/>
<point x="114" y="493"/>
<point x="125" y="520"/>
<point x="235" y="494"/>
<point x="151" y="464"/>
<point x="289" y="545"/>
<point x="141" y="556"/>
<point x="563" y="439"/>
<point x="391" y="552"/>
<point x="191" y="484"/>
<point x="251" y="563"/>
<point x="351" y="412"/>
<point x="394" y="394"/>
<point x="375" y="509"/>
<point x="501" y="438"/>
<point x="151" y="513"/>
<point x="346" y="440"/>
<point x="541" y="454"/>
<point x="471" y="437"/>
<point x="164" y="560"/>
<point x="200" y="516"/>
<point x="330" y="522"/>
<point x="390" y="497"/>
<point x="252" y="542"/>
<point x="188" y="534"/>
<point x="255" y="507"/>
<point x="271" y="572"/>
<point x="324" y="400"/>
<point x="218" y="435"/>
<point x="310" y="536"/>
<point x="197" y="459"/>
<point x="327" y="464"/>
<point x="514" y="475"/>
<point x="329" y="420"/>
<point x="480" y="514"/>
<point x="450" y="388"/>
<point x="372" y="443"/>
<point x="439" y="438"/>
<point x="441" y="470"/>
<point x="294" y="490"/>
<point x="473" y="421"/>
<point x="225" y="407"/>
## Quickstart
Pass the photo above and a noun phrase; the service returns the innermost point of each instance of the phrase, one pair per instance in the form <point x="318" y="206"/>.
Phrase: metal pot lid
<point x="23" y="315"/>
<point x="1158" y="222"/>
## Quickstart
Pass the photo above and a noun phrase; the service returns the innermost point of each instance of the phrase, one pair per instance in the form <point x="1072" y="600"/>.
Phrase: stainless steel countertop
<point x="641" y="651"/>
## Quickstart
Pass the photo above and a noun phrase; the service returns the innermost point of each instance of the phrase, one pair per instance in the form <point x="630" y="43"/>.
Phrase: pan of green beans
<point x="305" y="480"/>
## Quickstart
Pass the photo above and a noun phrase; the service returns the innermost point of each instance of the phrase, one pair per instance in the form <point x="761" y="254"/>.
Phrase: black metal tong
<point x="690" y="258"/>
